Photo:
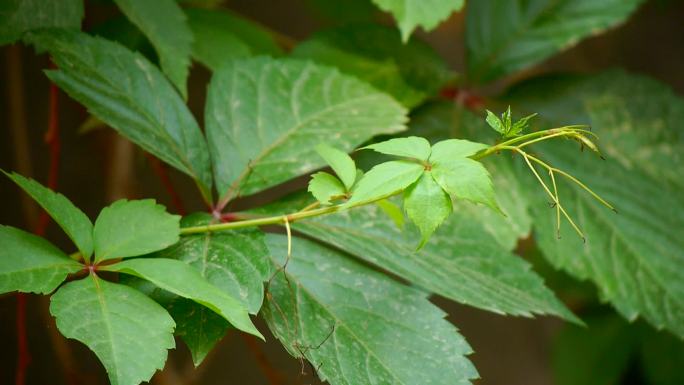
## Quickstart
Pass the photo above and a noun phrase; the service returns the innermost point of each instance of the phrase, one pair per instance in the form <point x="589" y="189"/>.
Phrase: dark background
<point x="99" y="167"/>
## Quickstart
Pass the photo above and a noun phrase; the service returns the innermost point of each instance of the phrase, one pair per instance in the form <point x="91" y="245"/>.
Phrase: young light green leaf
<point x="20" y="16"/>
<point x="217" y="24"/>
<point x="263" y="115"/>
<point x="503" y="36"/>
<point x="129" y="332"/>
<point x="427" y="205"/>
<point x="324" y="187"/>
<point x="385" y="179"/>
<point x="164" y="24"/>
<point x="353" y="314"/>
<point x="131" y="228"/>
<point x="495" y="123"/>
<point x="463" y="260"/>
<point x="632" y="257"/>
<point x="410" y="147"/>
<point x="178" y="278"/>
<point x="521" y="125"/>
<point x="30" y="264"/>
<point x="460" y="176"/>
<point x="128" y="93"/>
<point x="410" y="14"/>
<point x="72" y="220"/>
<point x="410" y="72"/>
<point x="215" y="42"/>
<point x="340" y="162"/>
<point x="393" y="211"/>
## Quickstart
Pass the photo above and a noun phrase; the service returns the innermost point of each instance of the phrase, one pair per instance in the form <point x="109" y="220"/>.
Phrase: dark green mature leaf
<point x="503" y="36"/>
<point x="178" y="278"/>
<point x="445" y="120"/>
<point x="385" y="179"/>
<point x="410" y="14"/>
<point x="462" y="261"/>
<point x="129" y="332"/>
<point x="427" y="205"/>
<point x="199" y="327"/>
<point x="20" y="16"/>
<point x="215" y="43"/>
<point x="636" y="257"/>
<point x="460" y="176"/>
<point x="164" y="24"/>
<point x="31" y="264"/>
<point x="409" y="72"/>
<point x="340" y="162"/>
<point x="358" y="326"/>
<point x="129" y="94"/>
<point x="265" y="118"/>
<point x="597" y="354"/>
<point x="324" y="187"/>
<point x="72" y="220"/>
<point x="131" y="228"/>
<point x="219" y="24"/>
<point x="410" y="147"/>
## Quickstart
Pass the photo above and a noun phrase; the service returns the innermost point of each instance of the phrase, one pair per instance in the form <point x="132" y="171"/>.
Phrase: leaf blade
<point x="20" y="16"/>
<point x="340" y="162"/>
<point x="410" y="147"/>
<point x="427" y="205"/>
<point x="385" y="179"/>
<point x="324" y="187"/>
<point x="410" y="14"/>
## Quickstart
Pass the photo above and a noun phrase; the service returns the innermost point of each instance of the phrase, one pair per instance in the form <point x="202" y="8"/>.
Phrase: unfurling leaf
<point x="324" y="187"/>
<point x="427" y="205"/>
<point x="410" y="147"/>
<point x="340" y="162"/>
<point x="132" y="228"/>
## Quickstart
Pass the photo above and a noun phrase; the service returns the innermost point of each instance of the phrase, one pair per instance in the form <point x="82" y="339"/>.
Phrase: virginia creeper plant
<point x="434" y="195"/>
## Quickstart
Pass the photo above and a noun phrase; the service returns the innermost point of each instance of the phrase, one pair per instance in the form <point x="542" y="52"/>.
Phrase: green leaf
<point x="385" y="179"/>
<point x="393" y="211"/>
<point x="129" y="332"/>
<point x="495" y="123"/>
<point x="445" y="120"/>
<point x="324" y="187"/>
<point x="265" y="117"/>
<point x="72" y="220"/>
<point x="410" y="147"/>
<point x="409" y="72"/>
<point x="178" y="278"/>
<point x="131" y="228"/>
<point x="129" y="94"/>
<point x="221" y="23"/>
<point x="521" y="125"/>
<point x="20" y="16"/>
<point x="31" y="264"/>
<point x="460" y="176"/>
<point x="597" y="354"/>
<point x="215" y="42"/>
<point x="235" y="261"/>
<point x="633" y="257"/>
<point x="358" y="326"/>
<point x="462" y="261"/>
<point x="340" y="162"/>
<point x="503" y="36"/>
<point x="410" y="14"/>
<point x="427" y="205"/>
<point x="164" y="24"/>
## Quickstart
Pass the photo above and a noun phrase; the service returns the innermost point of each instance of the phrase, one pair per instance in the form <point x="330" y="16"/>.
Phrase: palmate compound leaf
<point x="132" y="228"/>
<point x="503" y="36"/>
<point x="124" y="90"/>
<point x="635" y="257"/>
<point x="164" y="24"/>
<point x="129" y="332"/>
<point x="178" y="278"/>
<point x="463" y="260"/>
<point x="30" y="264"/>
<point x="20" y="16"/>
<point x="265" y="118"/>
<point x="235" y="261"/>
<point x="69" y="217"/>
<point x="340" y="162"/>
<point x="359" y="326"/>
<point x="410" y="72"/>
<point x="411" y="14"/>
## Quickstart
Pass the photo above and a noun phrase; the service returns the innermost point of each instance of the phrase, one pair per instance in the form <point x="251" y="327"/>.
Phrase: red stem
<point x="463" y="97"/>
<point x="161" y="171"/>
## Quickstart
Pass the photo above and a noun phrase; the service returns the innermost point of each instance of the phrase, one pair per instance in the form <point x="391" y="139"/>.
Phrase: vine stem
<point x="534" y="137"/>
